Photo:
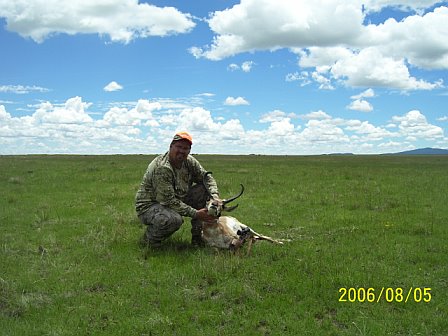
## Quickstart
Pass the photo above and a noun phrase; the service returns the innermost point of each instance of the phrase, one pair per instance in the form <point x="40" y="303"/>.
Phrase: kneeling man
<point x="173" y="188"/>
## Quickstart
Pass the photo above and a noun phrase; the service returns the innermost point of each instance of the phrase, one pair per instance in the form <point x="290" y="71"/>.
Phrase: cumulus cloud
<point x="267" y="25"/>
<point x="72" y="112"/>
<point x="319" y="115"/>
<point x="323" y="131"/>
<point x="236" y="101"/>
<point x="415" y="125"/>
<point x="147" y="126"/>
<point x="360" y="105"/>
<point x="3" y="114"/>
<point x="200" y="121"/>
<point x="122" y="21"/>
<point x="142" y="112"/>
<point x="113" y="86"/>
<point x="369" y="131"/>
<point x="336" y="35"/>
<point x="232" y="130"/>
<point x="368" y="67"/>
<point x="197" y="118"/>
<point x="419" y="39"/>
<point x="281" y="128"/>
<point x="276" y="116"/>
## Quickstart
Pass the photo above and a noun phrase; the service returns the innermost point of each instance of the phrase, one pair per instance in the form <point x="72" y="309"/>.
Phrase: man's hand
<point x="202" y="215"/>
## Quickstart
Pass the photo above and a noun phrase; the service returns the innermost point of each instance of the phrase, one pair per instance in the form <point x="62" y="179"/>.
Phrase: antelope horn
<point x="229" y="209"/>
<point x="234" y="197"/>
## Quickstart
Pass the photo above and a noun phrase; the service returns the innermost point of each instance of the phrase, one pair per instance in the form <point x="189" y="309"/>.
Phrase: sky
<point x="282" y="77"/>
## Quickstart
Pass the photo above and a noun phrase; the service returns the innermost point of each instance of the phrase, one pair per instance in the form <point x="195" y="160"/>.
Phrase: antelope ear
<point x="229" y="209"/>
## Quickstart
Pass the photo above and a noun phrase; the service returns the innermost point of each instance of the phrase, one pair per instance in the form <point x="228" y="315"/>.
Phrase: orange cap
<point x="183" y="136"/>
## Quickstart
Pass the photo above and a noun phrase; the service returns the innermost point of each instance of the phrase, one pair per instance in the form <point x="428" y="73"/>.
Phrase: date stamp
<point x="388" y="294"/>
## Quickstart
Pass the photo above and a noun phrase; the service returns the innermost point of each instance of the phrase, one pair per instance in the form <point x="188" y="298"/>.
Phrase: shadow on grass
<point x="170" y="246"/>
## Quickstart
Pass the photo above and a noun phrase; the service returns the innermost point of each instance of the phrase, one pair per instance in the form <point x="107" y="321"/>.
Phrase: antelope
<point x="227" y="232"/>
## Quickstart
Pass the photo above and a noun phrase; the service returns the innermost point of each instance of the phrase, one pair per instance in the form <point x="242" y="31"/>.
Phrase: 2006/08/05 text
<point x="388" y="294"/>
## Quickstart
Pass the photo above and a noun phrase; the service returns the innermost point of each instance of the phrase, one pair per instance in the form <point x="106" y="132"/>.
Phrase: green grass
<point x="70" y="263"/>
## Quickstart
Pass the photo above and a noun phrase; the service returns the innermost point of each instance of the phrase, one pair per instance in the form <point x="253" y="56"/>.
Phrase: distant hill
<point x="424" y="151"/>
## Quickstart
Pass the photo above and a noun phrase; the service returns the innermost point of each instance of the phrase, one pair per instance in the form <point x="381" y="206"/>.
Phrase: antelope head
<point x="216" y="206"/>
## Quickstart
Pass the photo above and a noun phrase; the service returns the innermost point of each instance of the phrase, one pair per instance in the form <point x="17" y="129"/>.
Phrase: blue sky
<point x="251" y="76"/>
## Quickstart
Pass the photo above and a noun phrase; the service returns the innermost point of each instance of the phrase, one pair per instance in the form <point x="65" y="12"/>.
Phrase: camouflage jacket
<point x="168" y="186"/>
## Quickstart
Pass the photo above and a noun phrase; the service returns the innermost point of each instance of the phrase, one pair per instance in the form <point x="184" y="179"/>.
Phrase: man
<point x="172" y="187"/>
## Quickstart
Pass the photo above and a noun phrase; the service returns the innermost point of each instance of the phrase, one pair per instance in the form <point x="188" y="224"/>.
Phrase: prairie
<point x="376" y="226"/>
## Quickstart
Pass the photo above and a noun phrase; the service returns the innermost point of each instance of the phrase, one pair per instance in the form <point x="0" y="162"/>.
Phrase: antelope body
<point x="227" y="232"/>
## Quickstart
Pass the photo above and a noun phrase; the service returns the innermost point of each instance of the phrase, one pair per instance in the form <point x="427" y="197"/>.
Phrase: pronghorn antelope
<point x="227" y="232"/>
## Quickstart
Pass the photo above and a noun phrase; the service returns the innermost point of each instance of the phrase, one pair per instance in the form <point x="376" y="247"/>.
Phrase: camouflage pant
<point x="162" y="222"/>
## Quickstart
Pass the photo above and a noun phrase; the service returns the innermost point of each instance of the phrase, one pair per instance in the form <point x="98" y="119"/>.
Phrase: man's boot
<point x="146" y="241"/>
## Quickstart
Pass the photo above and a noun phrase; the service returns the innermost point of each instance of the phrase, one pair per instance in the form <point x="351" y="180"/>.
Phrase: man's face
<point x="179" y="151"/>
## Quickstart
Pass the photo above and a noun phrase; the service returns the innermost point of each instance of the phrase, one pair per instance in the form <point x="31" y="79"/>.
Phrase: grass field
<point x="70" y="262"/>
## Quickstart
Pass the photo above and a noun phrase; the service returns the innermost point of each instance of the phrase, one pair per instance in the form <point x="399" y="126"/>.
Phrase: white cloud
<point x="68" y="128"/>
<point x="406" y="5"/>
<point x="360" y="105"/>
<point x="233" y="67"/>
<point x="122" y="21"/>
<point x="22" y="89"/>
<point x="303" y="77"/>
<point x="281" y="128"/>
<point x="276" y="116"/>
<point x="369" y="93"/>
<point x="206" y="94"/>
<point x="292" y="77"/>
<point x="72" y="112"/>
<point x="335" y="34"/>
<point x="370" y="68"/>
<point x="196" y="119"/>
<point x="199" y="121"/>
<point x="269" y="25"/>
<point x="196" y="52"/>
<point x="369" y="131"/>
<point x="390" y="144"/>
<point x="421" y="40"/>
<point x="132" y="117"/>
<point x="113" y="86"/>
<point x="321" y="56"/>
<point x="444" y="118"/>
<point x="323" y="131"/>
<point x="323" y="80"/>
<point x="235" y="101"/>
<point x="231" y="130"/>
<point x="245" y="66"/>
<point x="146" y="127"/>
<point x="316" y="115"/>
<point x="3" y="114"/>
<point x="414" y="124"/>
